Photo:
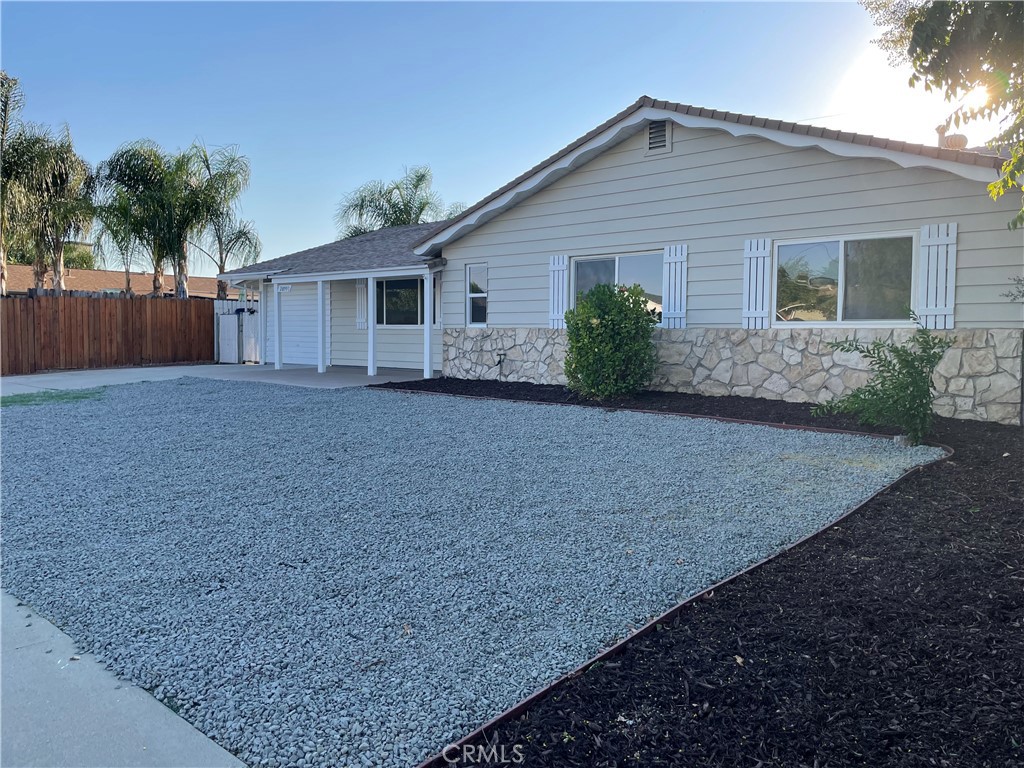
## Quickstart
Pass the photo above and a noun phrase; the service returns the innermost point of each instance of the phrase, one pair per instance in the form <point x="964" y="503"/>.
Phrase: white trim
<point x="757" y="284"/>
<point x="674" y="286"/>
<point x="421" y="286"/>
<point x="470" y="295"/>
<point x="278" y="346"/>
<point x="322" y="318"/>
<point x="371" y="327"/>
<point x="614" y="257"/>
<point x="558" y="284"/>
<point x="912" y="300"/>
<point x="243" y="276"/>
<point x="428" y="325"/>
<point x="312" y="277"/>
<point x="667" y="149"/>
<point x="636" y="121"/>
<point x="936" y="275"/>
<point x="361" y="303"/>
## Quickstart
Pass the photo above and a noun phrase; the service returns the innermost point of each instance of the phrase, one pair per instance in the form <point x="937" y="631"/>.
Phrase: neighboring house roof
<point x="975" y="165"/>
<point x="20" y="279"/>
<point x="381" y="249"/>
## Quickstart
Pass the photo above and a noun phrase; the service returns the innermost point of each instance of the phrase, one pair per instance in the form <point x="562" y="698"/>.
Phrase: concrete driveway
<point x="336" y="377"/>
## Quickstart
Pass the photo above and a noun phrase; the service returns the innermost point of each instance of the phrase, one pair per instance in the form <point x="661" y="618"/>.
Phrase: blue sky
<point x="324" y="96"/>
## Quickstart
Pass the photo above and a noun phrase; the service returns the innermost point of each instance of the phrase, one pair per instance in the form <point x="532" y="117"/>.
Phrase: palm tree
<point x="11" y="101"/>
<point x="50" y="193"/>
<point x="163" y="201"/>
<point x="120" y="233"/>
<point x="227" y="241"/>
<point x="379" y="204"/>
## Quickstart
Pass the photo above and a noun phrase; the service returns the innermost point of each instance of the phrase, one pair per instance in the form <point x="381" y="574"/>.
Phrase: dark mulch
<point x="894" y="639"/>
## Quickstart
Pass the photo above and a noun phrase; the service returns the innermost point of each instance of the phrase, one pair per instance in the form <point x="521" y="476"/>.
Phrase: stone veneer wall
<point x="978" y="378"/>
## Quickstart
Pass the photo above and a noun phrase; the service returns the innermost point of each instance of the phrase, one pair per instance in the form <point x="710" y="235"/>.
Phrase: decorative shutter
<point x="757" y="283"/>
<point x="558" y="291"/>
<point x="673" y="311"/>
<point x="936" y="276"/>
<point x="361" y="304"/>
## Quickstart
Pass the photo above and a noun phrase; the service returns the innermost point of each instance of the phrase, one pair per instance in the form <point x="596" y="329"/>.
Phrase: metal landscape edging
<point x="439" y="760"/>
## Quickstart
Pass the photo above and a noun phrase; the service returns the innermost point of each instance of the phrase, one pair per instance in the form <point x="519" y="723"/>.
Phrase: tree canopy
<point x="381" y="204"/>
<point x="957" y="47"/>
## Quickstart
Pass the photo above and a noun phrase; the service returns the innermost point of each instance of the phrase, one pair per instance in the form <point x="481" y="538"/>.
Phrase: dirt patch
<point x="894" y="639"/>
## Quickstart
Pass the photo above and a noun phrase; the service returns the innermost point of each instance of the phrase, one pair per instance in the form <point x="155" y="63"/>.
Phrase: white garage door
<point x="298" y="324"/>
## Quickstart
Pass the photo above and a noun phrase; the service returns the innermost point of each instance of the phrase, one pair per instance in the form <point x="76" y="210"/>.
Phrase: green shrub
<point x="610" y="353"/>
<point x="900" y="393"/>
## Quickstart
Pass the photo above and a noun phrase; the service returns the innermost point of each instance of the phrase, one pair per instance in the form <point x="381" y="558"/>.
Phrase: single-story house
<point x="758" y="240"/>
<point x="21" y="279"/>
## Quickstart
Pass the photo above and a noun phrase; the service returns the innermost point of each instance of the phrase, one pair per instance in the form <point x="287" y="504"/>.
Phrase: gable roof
<point x="20" y="279"/>
<point x="980" y="166"/>
<point x="383" y="248"/>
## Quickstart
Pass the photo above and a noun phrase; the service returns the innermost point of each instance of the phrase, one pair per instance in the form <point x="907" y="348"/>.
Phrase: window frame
<point x="381" y="303"/>
<point x="470" y="296"/>
<point x="614" y="257"/>
<point x="912" y="235"/>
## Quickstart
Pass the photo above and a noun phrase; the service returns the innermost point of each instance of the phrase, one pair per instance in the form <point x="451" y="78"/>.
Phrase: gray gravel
<point x="358" y="577"/>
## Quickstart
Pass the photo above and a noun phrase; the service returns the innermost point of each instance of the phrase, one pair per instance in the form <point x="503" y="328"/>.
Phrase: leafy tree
<point x="955" y="47"/>
<point x="380" y="204"/>
<point x="79" y="256"/>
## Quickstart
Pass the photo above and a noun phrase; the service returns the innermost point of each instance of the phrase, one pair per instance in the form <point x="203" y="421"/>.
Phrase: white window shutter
<point x="936" y="276"/>
<point x="361" y="304"/>
<point x="559" y="291"/>
<point x="757" y="283"/>
<point x="673" y="310"/>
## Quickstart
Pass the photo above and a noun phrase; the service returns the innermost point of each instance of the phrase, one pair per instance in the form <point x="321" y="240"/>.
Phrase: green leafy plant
<point x="610" y="352"/>
<point x="900" y="393"/>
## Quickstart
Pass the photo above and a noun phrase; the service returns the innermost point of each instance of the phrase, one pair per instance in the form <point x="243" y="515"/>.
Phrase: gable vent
<point x="657" y="135"/>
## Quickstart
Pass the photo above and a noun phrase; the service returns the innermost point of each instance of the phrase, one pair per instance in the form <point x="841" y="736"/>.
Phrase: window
<point x="845" y="280"/>
<point x="476" y="294"/>
<point x="400" y="302"/>
<point x="645" y="270"/>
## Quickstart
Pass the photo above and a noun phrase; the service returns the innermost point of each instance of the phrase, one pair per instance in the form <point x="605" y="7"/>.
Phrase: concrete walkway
<point x="59" y="712"/>
<point x="336" y="377"/>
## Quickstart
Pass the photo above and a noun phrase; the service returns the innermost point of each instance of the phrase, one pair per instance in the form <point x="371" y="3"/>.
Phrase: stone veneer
<point x="978" y="378"/>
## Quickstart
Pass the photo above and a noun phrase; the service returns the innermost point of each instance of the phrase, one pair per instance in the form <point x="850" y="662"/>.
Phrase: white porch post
<point x="428" y="324"/>
<point x="278" y="346"/>
<point x="321" y="327"/>
<point x="371" y="326"/>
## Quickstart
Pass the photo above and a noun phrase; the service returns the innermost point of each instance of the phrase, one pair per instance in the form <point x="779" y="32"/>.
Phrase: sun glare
<point x="976" y="98"/>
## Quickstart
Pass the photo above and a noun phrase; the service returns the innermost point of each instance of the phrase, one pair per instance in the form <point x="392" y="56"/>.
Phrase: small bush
<point x="610" y="351"/>
<point x="900" y="393"/>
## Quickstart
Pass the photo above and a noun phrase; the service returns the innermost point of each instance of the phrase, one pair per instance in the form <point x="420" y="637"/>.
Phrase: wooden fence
<point x="53" y="333"/>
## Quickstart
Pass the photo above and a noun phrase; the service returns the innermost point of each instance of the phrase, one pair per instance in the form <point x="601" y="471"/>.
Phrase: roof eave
<point x="632" y="120"/>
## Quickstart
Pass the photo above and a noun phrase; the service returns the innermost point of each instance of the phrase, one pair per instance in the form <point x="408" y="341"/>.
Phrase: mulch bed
<point x="896" y="638"/>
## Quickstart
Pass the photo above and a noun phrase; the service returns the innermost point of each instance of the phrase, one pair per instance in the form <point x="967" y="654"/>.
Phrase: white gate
<point x="238" y="331"/>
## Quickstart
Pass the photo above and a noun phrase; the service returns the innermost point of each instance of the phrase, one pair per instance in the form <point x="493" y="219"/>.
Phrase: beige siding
<point x="396" y="347"/>
<point x="713" y="192"/>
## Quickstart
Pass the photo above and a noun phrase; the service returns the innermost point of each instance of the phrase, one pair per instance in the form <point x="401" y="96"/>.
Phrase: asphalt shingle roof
<point x="391" y="247"/>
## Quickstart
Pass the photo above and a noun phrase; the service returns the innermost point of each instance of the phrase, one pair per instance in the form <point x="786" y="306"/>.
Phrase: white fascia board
<point x="241" y="277"/>
<point x="633" y="123"/>
<point x="353" y="275"/>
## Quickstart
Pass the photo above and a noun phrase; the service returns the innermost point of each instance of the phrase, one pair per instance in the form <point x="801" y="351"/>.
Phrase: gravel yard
<point x="357" y="577"/>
